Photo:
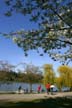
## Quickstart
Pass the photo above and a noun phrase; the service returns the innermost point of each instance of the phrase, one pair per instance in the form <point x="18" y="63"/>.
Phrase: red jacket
<point x="39" y="88"/>
<point x="48" y="86"/>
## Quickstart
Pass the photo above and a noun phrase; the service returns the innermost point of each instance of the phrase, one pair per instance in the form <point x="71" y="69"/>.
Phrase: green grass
<point x="43" y="103"/>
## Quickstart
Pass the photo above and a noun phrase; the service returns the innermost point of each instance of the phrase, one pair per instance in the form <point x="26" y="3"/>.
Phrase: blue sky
<point x="11" y="52"/>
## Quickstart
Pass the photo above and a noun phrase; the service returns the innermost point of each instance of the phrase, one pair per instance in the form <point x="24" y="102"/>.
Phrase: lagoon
<point x="13" y="86"/>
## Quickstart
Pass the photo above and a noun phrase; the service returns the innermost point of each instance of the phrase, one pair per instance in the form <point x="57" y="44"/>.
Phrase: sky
<point x="10" y="52"/>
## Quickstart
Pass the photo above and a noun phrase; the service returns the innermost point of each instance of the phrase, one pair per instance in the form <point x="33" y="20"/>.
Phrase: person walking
<point x="39" y="88"/>
<point x="51" y="88"/>
<point x="48" y="88"/>
<point x="19" y="89"/>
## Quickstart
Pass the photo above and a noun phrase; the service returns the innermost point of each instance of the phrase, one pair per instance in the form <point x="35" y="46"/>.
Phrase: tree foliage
<point x="49" y="75"/>
<point x="31" y="74"/>
<point x="54" y="30"/>
<point x="6" y="66"/>
<point x="59" y="82"/>
<point x="65" y="75"/>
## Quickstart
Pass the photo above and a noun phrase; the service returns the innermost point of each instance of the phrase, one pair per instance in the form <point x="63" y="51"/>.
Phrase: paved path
<point x="28" y="97"/>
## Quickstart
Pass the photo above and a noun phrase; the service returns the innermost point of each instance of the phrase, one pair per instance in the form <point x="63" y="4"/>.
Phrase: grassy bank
<point x="58" y="102"/>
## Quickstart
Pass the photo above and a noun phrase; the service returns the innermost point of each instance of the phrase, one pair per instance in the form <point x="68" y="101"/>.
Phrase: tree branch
<point x="57" y="14"/>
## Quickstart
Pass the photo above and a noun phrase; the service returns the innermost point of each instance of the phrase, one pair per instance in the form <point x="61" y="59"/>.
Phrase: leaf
<point x="7" y="2"/>
<point x="8" y="14"/>
<point x="41" y="54"/>
<point x="26" y="54"/>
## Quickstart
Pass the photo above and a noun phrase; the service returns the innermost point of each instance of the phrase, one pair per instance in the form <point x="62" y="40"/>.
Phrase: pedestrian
<point x="51" y="89"/>
<point x="19" y="89"/>
<point x="39" y="88"/>
<point x="26" y="90"/>
<point x="48" y="88"/>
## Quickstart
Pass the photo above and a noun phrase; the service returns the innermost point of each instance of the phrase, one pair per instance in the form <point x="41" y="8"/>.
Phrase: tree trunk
<point x="30" y="87"/>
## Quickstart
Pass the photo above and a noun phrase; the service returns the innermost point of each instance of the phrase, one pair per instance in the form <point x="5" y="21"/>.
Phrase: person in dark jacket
<point x="19" y="89"/>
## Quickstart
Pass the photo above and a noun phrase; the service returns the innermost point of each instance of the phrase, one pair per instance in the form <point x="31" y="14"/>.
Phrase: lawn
<point x="58" y="102"/>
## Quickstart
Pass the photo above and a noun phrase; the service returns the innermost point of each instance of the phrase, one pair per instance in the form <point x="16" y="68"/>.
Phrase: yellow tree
<point x="49" y="75"/>
<point x="65" y="75"/>
<point x="59" y="83"/>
